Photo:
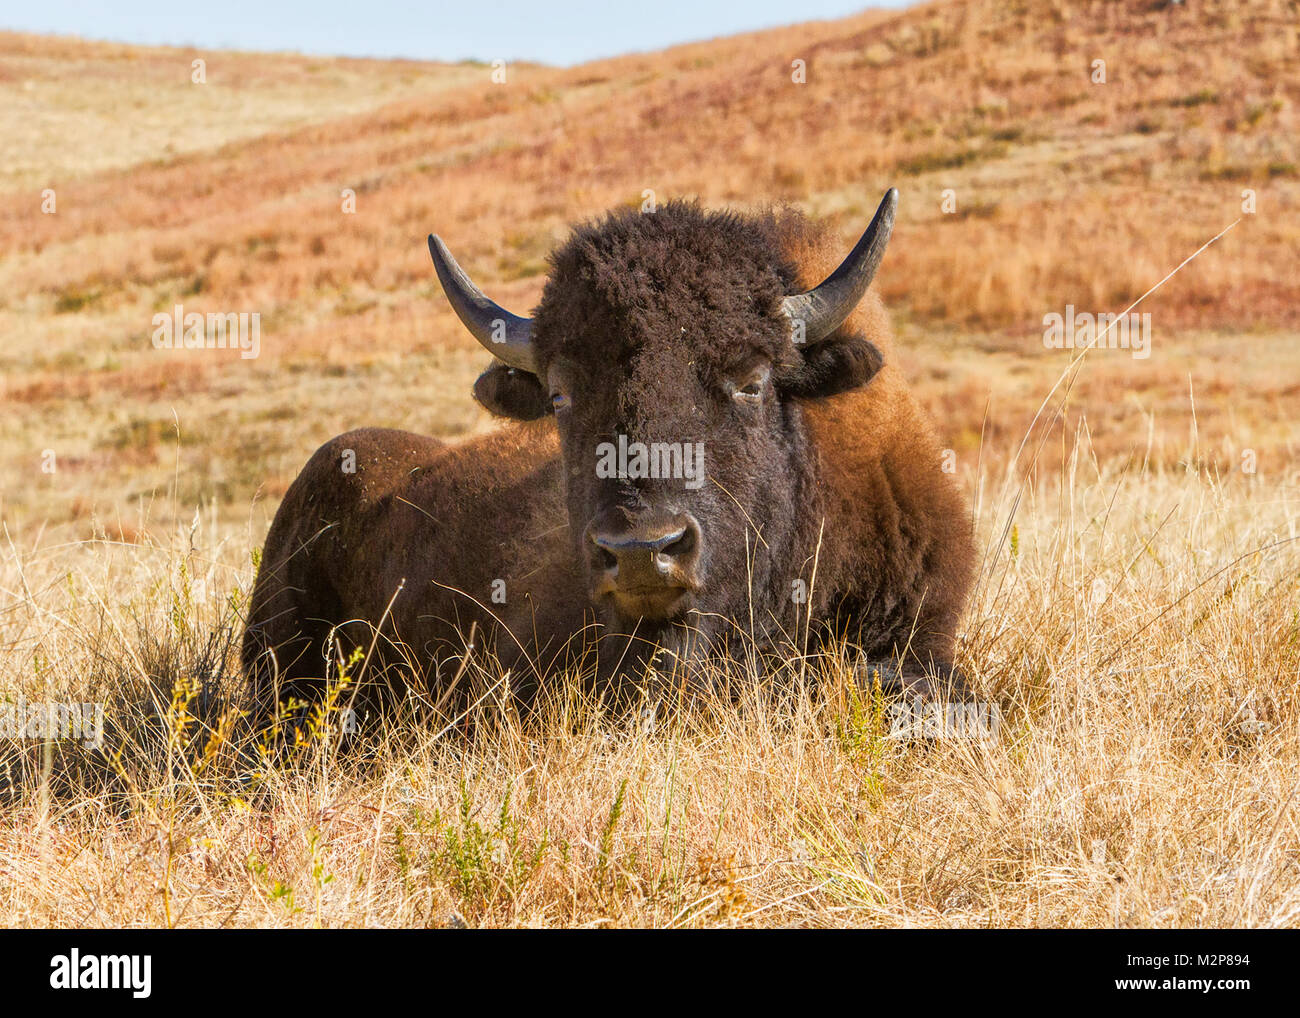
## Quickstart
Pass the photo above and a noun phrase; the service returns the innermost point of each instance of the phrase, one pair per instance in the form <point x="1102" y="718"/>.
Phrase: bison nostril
<point x="644" y="555"/>
<point x="681" y="546"/>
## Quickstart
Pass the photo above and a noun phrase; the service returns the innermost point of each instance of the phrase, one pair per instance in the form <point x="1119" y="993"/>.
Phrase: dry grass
<point x="1137" y="621"/>
<point x="1139" y="632"/>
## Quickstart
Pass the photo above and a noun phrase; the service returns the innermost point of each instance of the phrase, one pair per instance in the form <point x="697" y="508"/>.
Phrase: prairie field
<point x="1136" y="621"/>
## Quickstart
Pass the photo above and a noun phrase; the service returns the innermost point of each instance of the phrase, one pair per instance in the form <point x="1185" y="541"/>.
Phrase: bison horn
<point x="507" y="337"/>
<point x="824" y="308"/>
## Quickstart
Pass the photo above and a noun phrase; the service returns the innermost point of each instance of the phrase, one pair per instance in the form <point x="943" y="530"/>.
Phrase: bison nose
<point x="647" y="556"/>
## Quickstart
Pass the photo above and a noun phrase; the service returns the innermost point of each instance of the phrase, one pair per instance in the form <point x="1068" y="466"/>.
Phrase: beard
<point x="655" y="656"/>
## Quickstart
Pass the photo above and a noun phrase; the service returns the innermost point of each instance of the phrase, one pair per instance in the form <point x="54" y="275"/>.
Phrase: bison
<point x="710" y="446"/>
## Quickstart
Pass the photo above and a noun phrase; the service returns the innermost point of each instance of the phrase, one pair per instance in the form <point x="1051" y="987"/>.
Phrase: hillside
<point x="70" y="108"/>
<point x="1067" y="192"/>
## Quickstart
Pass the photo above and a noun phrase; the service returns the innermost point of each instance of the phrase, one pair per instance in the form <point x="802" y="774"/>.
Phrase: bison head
<point x="673" y="354"/>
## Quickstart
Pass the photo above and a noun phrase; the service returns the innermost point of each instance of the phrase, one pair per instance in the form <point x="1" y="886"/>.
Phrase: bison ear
<point x="824" y="369"/>
<point x="510" y="392"/>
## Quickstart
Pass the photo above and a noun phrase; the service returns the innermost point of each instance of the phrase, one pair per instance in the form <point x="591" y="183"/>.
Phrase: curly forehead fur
<point x="631" y="281"/>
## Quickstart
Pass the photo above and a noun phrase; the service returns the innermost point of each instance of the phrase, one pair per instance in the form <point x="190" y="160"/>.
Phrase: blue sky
<point x="550" y="31"/>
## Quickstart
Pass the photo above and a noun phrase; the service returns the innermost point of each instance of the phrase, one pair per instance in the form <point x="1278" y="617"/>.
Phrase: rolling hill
<point x="229" y="196"/>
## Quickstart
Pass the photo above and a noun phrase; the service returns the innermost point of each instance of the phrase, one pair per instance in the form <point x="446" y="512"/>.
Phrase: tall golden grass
<point x="1139" y="631"/>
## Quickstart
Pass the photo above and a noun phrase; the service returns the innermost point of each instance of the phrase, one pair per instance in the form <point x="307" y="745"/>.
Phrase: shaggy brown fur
<point x="831" y="478"/>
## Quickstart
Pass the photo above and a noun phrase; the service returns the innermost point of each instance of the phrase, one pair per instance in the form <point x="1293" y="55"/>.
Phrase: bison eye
<point x="559" y="401"/>
<point x="750" y="390"/>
